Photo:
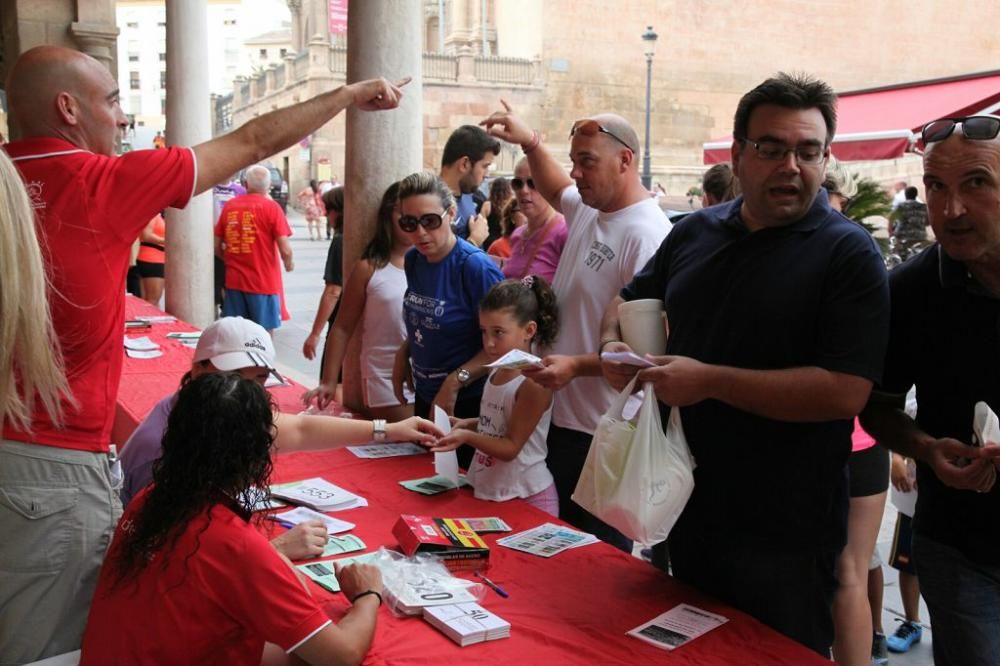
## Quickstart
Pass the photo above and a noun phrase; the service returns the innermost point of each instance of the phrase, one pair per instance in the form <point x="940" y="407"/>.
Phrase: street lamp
<point x="649" y="41"/>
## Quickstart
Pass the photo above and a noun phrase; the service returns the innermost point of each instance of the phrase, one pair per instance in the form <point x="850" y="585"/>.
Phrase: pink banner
<point x="337" y="16"/>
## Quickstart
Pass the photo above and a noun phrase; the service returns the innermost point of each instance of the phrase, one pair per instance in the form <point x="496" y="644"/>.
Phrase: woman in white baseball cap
<point x="235" y="344"/>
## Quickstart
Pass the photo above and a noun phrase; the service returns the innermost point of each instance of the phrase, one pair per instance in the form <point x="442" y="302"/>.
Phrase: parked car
<point x="279" y="188"/>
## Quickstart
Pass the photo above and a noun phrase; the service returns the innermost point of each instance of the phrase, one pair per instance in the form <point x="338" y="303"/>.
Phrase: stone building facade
<point x="586" y="56"/>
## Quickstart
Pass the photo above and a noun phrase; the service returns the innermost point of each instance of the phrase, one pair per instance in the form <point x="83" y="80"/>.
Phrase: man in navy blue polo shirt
<point x="778" y="314"/>
<point x="945" y="339"/>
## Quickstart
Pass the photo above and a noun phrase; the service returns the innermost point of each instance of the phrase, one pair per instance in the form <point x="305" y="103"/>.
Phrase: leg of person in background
<point x="876" y="581"/>
<point x="152" y="289"/>
<point x="852" y="614"/>
<point x="909" y="632"/>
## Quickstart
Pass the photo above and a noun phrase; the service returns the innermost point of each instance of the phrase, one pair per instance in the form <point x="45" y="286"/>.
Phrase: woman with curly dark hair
<point x="187" y="559"/>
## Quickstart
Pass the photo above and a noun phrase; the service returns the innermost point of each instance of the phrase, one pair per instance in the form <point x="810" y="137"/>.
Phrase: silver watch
<point x="463" y="376"/>
<point x="378" y="430"/>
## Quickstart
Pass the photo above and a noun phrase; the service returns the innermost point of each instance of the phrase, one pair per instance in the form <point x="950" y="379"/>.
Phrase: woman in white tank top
<point x="373" y="296"/>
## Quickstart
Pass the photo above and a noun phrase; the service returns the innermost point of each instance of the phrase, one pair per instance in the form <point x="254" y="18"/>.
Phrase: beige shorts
<point x="58" y="512"/>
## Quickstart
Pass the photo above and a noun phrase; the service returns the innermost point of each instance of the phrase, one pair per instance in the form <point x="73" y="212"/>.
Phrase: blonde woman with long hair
<point x="28" y="346"/>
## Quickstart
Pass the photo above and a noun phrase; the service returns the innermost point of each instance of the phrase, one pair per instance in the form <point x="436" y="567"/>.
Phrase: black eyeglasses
<point x="519" y="183"/>
<point x="977" y="128"/>
<point x="429" y="221"/>
<point x="775" y="151"/>
<point x="588" y="127"/>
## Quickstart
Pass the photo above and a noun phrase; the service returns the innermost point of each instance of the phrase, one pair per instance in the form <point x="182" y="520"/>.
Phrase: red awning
<point x="883" y="123"/>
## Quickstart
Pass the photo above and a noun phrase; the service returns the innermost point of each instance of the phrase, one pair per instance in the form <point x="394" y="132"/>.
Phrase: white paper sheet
<point x="302" y="514"/>
<point x="140" y="344"/>
<point x="376" y="450"/>
<point x="445" y="464"/>
<point x="517" y="359"/>
<point x="628" y="358"/>
<point x="677" y="626"/>
<point x="152" y="353"/>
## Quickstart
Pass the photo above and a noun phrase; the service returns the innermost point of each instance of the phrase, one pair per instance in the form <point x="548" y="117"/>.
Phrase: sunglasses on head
<point x="977" y="128"/>
<point x="520" y="183"/>
<point x="429" y="221"/>
<point x="589" y="127"/>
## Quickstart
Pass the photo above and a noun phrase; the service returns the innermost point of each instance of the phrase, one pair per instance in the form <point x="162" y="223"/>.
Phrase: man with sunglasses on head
<point x="778" y="311"/>
<point x="614" y="228"/>
<point x="465" y="161"/>
<point x="944" y="339"/>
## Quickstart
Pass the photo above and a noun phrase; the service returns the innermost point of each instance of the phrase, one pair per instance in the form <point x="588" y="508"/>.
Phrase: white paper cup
<point x="644" y="326"/>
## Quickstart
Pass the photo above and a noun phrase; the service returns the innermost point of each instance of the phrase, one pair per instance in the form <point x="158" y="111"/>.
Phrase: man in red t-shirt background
<point x="58" y="504"/>
<point x="250" y="226"/>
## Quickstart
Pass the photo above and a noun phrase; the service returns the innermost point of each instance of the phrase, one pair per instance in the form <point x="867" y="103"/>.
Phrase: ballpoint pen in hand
<point x="496" y="588"/>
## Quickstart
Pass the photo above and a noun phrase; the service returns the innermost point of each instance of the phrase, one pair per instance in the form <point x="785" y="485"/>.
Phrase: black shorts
<point x="900" y="558"/>
<point x="869" y="471"/>
<point x="148" y="269"/>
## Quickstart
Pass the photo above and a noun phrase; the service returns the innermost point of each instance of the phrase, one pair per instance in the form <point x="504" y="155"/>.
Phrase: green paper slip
<point x="432" y="485"/>
<point x="323" y="572"/>
<point x="340" y="545"/>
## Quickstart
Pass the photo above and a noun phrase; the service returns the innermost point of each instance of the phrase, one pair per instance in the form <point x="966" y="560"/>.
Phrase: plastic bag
<point x="411" y="583"/>
<point x="636" y="478"/>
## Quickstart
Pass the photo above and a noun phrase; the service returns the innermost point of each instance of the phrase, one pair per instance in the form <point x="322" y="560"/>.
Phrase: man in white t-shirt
<point x="614" y="228"/>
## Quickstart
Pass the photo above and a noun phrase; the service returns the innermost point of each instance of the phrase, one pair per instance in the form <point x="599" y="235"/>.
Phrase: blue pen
<point x="285" y="523"/>
<point x="496" y="588"/>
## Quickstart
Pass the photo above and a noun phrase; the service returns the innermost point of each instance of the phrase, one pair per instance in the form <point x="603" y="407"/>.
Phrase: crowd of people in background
<point x="788" y="342"/>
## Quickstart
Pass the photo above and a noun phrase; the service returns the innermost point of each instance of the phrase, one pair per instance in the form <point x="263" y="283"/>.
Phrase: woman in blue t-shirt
<point x="446" y="278"/>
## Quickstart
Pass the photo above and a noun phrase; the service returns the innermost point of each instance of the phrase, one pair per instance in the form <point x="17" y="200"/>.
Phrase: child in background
<point x="509" y="436"/>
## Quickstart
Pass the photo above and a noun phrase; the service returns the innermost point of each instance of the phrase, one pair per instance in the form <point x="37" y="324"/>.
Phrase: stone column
<point x="295" y="9"/>
<point x="190" y="242"/>
<point x="384" y="39"/>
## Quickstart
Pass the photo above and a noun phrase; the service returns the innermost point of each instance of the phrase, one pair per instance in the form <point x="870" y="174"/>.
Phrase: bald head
<point x="621" y="130"/>
<point x="59" y="92"/>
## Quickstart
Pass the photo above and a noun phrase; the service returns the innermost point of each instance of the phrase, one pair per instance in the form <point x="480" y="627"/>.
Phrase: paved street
<point x="303" y="287"/>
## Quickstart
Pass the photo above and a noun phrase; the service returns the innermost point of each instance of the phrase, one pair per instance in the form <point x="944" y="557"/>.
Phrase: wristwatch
<point x="378" y="430"/>
<point x="464" y="376"/>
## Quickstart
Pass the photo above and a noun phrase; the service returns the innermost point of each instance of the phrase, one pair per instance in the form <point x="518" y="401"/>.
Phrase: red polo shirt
<point x="88" y="210"/>
<point x="213" y="596"/>
<point x="250" y="226"/>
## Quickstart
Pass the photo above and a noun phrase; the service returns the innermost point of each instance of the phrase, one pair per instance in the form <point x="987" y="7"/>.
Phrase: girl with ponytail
<point x="514" y="414"/>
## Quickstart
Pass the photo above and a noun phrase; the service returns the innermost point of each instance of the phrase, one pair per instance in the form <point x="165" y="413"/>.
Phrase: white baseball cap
<point x="234" y="343"/>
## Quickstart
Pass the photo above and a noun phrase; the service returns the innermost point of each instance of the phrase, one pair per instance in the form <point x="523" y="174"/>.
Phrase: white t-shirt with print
<point x="602" y="253"/>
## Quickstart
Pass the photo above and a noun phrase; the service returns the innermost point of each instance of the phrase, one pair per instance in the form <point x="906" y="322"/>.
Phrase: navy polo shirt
<point x="945" y="339"/>
<point x="812" y="293"/>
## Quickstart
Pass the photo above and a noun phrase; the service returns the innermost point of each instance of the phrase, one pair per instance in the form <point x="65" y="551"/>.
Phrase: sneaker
<point x="906" y="635"/>
<point x="880" y="655"/>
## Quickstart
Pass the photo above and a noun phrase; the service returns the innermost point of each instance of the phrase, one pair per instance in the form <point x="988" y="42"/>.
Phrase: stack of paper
<point x="142" y="347"/>
<point x="318" y="494"/>
<point x="467" y="623"/>
<point x="387" y="450"/>
<point x="325" y="574"/>
<point x="411" y="597"/>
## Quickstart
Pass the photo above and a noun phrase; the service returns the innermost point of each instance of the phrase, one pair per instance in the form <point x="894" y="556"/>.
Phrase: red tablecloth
<point x="573" y="608"/>
<point x="147" y="381"/>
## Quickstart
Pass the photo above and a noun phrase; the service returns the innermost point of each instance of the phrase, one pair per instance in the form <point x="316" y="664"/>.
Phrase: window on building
<point x="163" y="106"/>
<point x="262" y="54"/>
<point x="161" y="24"/>
<point x="133" y="57"/>
<point x="229" y="21"/>
<point x="163" y="80"/>
<point x="132" y="24"/>
<point x="163" y="56"/>
<point x="133" y="81"/>
<point x="284" y="52"/>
